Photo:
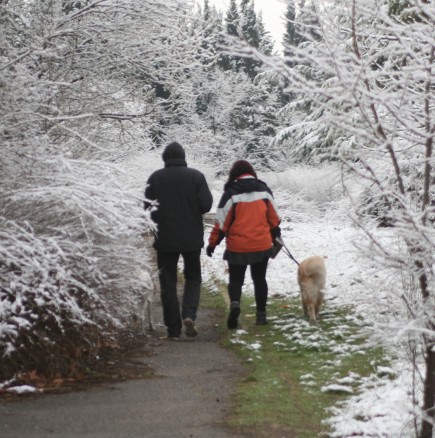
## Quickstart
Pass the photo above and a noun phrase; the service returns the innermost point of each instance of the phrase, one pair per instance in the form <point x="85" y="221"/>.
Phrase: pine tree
<point x="249" y="29"/>
<point x="396" y="7"/>
<point x="232" y="22"/>
<point x="266" y="43"/>
<point x="244" y="23"/>
<point x="309" y="20"/>
<point x="249" y="24"/>
<point x="232" y="19"/>
<point x="212" y="27"/>
<point x="292" y="37"/>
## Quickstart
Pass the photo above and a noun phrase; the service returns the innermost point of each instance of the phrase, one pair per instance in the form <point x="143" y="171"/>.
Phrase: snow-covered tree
<point x="244" y="24"/>
<point x="74" y="105"/>
<point x="266" y="44"/>
<point x="292" y="36"/>
<point x="376" y="96"/>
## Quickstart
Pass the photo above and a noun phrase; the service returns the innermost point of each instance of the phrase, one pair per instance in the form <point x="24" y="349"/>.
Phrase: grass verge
<point x="295" y="371"/>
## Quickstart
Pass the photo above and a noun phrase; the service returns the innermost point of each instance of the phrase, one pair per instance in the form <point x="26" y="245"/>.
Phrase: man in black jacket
<point x="178" y="196"/>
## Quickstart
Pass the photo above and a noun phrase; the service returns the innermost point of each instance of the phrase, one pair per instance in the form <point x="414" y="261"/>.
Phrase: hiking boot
<point x="261" y="318"/>
<point x="189" y="327"/>
<point x="233" y="317"/>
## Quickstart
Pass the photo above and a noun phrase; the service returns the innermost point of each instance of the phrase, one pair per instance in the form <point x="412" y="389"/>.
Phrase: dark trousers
<point x="258" y="274"/>
<point x="167" y="263"/>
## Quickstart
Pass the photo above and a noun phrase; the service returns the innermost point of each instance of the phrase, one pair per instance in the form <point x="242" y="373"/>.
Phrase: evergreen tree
<point x="211" y="28"/>
<point x="396" y="7"/>
<point x="292" y="36"/>
<point x="232" y="22"/>
<point x="249" y="30"/>
<point x="232" y="19"/>
<point x="309" y="19"/>
<point x="249" y="24"/>
<point x="206" y="13"/>
<point x="266" y="43"/>
<point x="245" y="24"/>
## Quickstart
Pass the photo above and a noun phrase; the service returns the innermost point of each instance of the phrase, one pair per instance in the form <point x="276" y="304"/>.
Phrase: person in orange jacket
<point x="247" y="218"/>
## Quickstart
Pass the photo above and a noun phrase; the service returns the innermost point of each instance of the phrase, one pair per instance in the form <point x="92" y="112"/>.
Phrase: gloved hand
<point x="209" y="250"/>
<point x="276" y="232"/>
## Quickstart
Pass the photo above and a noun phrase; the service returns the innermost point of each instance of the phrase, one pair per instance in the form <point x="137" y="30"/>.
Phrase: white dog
<point x="148" y="289"/>
<point x="311" y="279"/>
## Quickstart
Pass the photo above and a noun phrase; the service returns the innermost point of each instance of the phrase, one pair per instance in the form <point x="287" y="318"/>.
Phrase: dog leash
<point x="287" y="251"/>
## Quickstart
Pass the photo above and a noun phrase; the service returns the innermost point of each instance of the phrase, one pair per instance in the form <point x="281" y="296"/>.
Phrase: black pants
<point x="258" y="274"/>
<point x="167" y="263"/>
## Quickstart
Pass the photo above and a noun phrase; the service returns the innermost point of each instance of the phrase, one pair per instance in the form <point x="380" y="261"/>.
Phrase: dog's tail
<point x="313" y="267"/>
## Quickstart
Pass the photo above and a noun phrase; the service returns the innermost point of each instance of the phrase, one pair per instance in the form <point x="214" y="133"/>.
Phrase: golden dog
<point x="311" y="279"/>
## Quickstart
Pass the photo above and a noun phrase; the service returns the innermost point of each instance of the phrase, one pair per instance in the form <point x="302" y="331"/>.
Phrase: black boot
<point x="261" y="318"/>
<point x="233" y="317"/>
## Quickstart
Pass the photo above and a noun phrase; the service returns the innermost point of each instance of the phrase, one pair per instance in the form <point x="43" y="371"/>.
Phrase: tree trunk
<point x="429" y="380"/>
<point x="429" y="393"/>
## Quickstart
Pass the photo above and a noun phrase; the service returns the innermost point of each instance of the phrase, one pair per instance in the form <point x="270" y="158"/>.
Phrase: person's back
<point x="247" y="218"/>
<point x="181" y="196"/>
<point x="249" y="229"/>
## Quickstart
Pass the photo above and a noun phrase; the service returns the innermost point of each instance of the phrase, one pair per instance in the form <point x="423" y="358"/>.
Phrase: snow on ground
<point x="314" y="208"/>
<point x="315" y="211"/>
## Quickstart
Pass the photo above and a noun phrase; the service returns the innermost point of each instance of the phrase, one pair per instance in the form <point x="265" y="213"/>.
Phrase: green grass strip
<point x="295" y="371"/>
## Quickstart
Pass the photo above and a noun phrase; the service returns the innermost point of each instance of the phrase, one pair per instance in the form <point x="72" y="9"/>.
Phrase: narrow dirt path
<point x="190" y="395"/>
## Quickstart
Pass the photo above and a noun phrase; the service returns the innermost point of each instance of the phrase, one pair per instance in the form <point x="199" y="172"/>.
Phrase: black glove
<point x="276" y="232"/>
<point x="209" y="250"/>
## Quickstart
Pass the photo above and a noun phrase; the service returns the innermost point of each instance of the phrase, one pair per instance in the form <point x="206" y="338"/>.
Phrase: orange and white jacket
<point x="246" y="216"/>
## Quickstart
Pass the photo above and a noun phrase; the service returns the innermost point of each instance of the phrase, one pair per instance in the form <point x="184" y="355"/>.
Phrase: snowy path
<point x="189" y="397"/>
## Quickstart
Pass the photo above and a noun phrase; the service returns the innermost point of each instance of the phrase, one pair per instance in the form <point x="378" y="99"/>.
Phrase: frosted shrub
<point x="71" y="233"/>
<point x="308" y="192"/>
<point x="43" y="299"/>
<point x="370" y="81"/>
<point x="70" y="247"/>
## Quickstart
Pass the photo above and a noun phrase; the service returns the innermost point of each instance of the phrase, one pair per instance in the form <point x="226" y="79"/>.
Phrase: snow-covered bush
<point x="374" y="87"/>
<point x="71" y="227"/>
<point x="70" y="248"/>
<point x="307" y="192"/>
<point x="46" y="303"/>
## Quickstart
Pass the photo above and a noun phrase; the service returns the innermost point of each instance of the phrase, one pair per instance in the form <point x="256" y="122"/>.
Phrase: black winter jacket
<point x="182" y="196"/>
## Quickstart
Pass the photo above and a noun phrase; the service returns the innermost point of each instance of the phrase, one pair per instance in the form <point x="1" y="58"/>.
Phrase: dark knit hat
<point x="241" y="167"/>
<point x="173" y="150"/>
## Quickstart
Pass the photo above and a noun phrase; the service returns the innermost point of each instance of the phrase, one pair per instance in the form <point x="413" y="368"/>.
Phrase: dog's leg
<point x="304" y="306"/>
<point x="312" y="313"/>
<point x="319" y="302"/>
<point x="316" y="310"/>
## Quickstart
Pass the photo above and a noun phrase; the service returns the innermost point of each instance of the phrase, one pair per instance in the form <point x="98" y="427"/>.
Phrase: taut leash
<point x="287" y="251"/>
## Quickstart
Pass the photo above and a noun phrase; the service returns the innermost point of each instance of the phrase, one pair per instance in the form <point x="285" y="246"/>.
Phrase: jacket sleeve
<point x="149" y="194"/>
<point x="224" y="214"/>
<point x="273" y="218"/>
<point x="216" y="236"/>
<point x="204" y="195"/>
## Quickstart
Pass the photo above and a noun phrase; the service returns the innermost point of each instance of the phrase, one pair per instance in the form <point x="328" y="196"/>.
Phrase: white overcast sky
<point x="273" y="16"/>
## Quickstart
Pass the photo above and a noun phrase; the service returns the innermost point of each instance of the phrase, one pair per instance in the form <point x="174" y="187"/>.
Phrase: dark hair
<point x="173" y="150"/>
<point x="240" y="167"/>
